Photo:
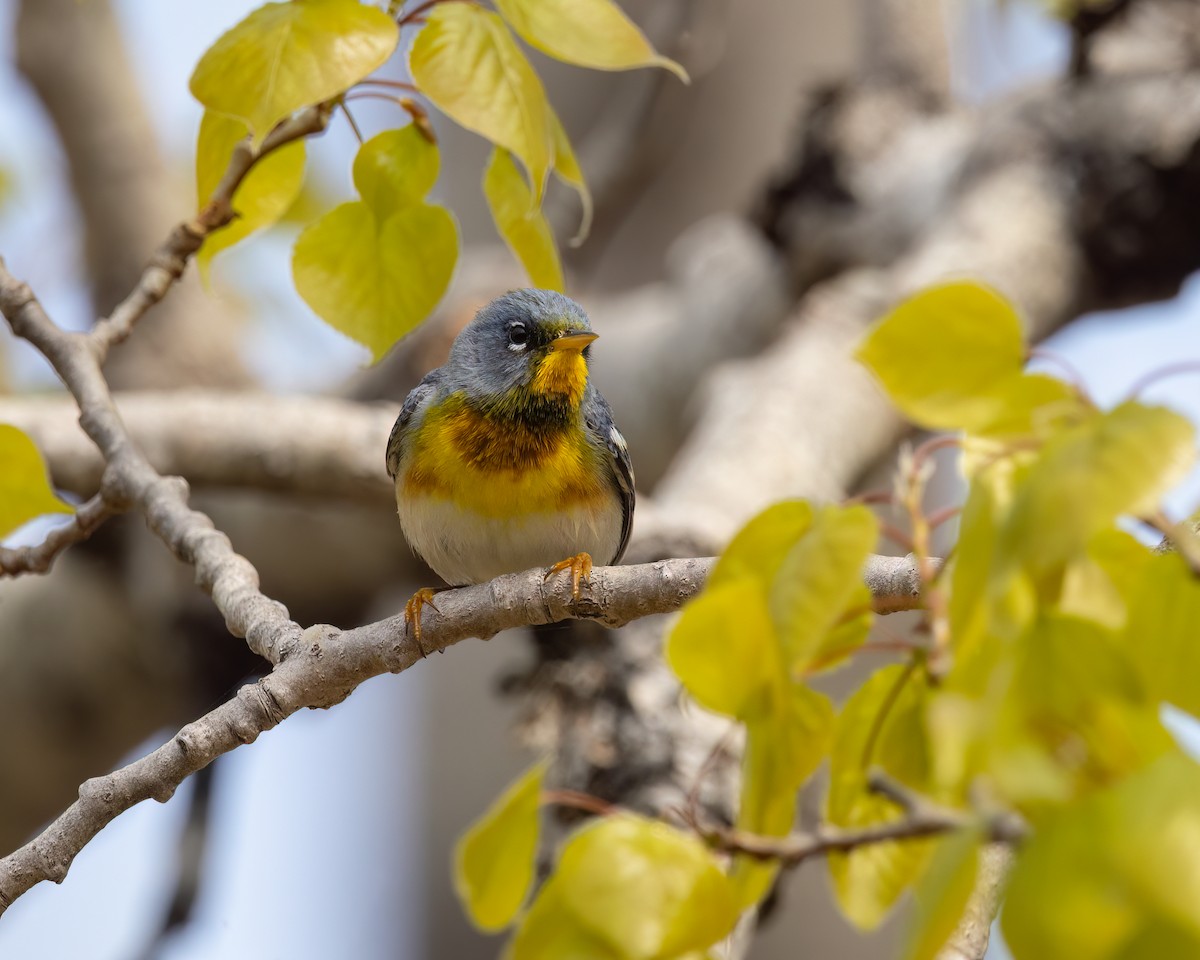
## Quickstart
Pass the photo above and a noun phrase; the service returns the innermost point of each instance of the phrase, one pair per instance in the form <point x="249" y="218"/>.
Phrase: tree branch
<point x="323" y="666"/>
<point x="922" y="818"/>
<point x="40" y="557"/>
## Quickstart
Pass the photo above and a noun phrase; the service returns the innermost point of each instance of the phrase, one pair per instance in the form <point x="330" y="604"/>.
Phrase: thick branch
<point x="318" y="446"/>
<point x="325" y="664"/>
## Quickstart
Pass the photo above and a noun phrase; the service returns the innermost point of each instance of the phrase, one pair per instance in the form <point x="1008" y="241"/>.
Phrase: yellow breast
<point x="502" y="467"/>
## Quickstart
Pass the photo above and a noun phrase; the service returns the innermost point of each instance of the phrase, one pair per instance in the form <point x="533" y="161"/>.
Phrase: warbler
<point x="507" y="456"/>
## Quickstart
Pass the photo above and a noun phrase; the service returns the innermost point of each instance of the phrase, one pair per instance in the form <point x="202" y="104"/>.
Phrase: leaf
<point x="521" y="222"/>
<point x="1119" y="462"/>
<point x="1074" y="716"/>
<point x="587" y="33"/>
<point x="724" y="650"/>
<point x="396" y="168"/>
<point x="781" y="753"/>
<point x="263" y="197"/>
<point x="760" y="547"/>
<point x="868" y="881"/>
<point x="494" y="860"/>
<point x="285" y="56"/>
<point x="820" y="582"/>
<point x="1160" y="634"/>
<point x="646" y="889"/>
<point x="25" y="490"/>
<point x="549" y="931"/>
<point x="942" y="894"/>
<point x="567" y="169"/>
<point x="468" y="64"/>
<point x="1115" y="877"/>
<point x="375" y="268"/>
<point x="939" y="353"/>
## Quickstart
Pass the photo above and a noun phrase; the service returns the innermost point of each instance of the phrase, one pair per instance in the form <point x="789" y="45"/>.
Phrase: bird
<point x="507" y="457"/>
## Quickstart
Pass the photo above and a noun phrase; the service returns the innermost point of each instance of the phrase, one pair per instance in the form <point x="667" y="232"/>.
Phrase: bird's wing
<point x="599" y="419"/>
<point x="419" y="395"/>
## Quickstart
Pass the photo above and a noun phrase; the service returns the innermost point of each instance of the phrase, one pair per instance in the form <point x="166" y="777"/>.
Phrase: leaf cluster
<point x="1050" y="641"/>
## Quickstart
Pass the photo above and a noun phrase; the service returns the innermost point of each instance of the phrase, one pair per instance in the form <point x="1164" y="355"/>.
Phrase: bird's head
<point x="526" y="347"/>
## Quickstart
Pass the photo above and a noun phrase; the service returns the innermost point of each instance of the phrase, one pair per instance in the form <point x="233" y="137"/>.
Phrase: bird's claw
<point x="412" y="612"/>
<point x="580" y="566"/>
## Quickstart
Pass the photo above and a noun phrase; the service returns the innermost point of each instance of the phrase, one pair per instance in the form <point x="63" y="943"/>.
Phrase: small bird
<point x="507" y="457"/>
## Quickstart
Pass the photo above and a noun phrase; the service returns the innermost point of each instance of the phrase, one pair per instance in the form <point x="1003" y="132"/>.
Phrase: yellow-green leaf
<point x="375" y="268"/>
<point x="942" y="894"/>
<point x="468" y="64"/>
<point x="25" y="490"/>
<point x="396" y="168"/>
<point x="1073" y="718"/>
<point x="494" y="860"/>
<point x="549" y="931"/>
<point x="1161" y="631"/>
<point x="1116" y="877"/>
<point x="521" y="222"/>
<point x="940" y="354"/>
<point x="567" y="169"/>
<point x="882" y="725"/>
<point x="760" y="547"/>
<point x="781" y="754"/>
<point x="285" y="56"/>
<point x="263" y="197"/>
<point x="819" y="583"/>
<point x="588" y="33"/>
<point x="1120" y="462"/>
<point x="724" y="650"/>
<point x="646" y="889"/>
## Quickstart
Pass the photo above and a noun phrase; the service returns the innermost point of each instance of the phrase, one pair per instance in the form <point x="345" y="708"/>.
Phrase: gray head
<point x="532" y="339"/>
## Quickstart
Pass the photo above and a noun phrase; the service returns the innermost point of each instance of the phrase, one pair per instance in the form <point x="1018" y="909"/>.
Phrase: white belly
<point x="464" y="547"/>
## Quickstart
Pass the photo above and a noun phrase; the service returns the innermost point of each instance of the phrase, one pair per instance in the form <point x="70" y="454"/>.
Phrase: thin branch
<point x="1162" y="373"/>
<point x="170" y="260"/>
<point x="922" y="818"/>
<point x="39" y="558"/>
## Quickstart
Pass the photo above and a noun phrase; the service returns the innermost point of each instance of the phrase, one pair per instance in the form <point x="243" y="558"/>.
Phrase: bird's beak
<point x="573" y="340"/>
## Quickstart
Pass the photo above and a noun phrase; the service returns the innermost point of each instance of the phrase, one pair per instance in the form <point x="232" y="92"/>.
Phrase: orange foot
<point x="412" y="611"/>
<point x="580" y="566"/>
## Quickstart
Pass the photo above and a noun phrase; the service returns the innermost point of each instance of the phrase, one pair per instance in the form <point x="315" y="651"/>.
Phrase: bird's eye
<point x="517" y="334"/>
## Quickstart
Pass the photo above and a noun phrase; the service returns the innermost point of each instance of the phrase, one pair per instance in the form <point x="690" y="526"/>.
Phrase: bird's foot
<point x="580" y="566"/>
<point x="412" y="611"/>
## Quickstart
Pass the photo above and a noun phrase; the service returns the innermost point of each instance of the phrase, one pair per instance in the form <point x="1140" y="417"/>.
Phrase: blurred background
<point x="828" y="158"/>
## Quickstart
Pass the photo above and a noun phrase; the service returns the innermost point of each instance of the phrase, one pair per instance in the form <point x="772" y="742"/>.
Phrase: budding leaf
<point x="285" y="56"/>
<point x="262" y="198"/>
<point x="587" y="33"/>
<point x="521" y="222"/>
<point x="25" y="490"/>
<point x="494" y="860"/>
<point x="467" y="63"/>
<point x="376" y="267"/>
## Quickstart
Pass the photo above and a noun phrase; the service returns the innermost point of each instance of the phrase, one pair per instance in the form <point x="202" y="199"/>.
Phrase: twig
<point x="578" y="800"/>
<point x="170" y="260"/>
<point x="922" y="818"/>
<point x="1162" y="373"/>
<point x="39" y="558"/>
